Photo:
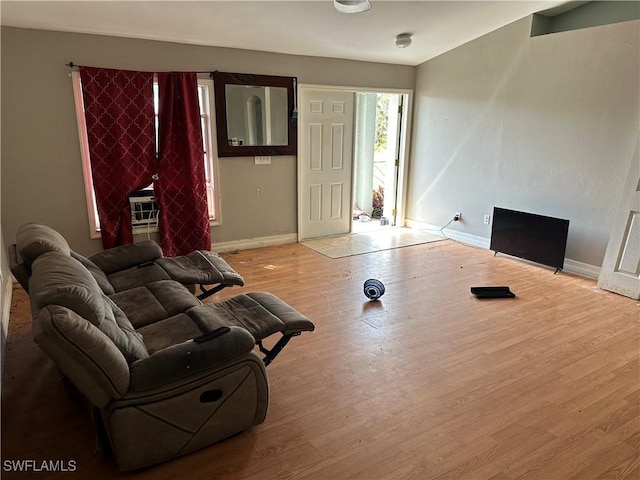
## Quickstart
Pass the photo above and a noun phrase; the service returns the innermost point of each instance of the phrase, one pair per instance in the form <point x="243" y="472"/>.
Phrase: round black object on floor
<point x="373" y="289"/>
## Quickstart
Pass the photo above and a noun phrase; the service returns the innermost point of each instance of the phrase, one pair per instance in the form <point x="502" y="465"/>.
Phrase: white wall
<point x="543" y="124"/>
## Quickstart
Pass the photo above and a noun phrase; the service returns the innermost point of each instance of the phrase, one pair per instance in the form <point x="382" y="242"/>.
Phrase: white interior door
<point x="620" y="271"/>
<point x="325" y="163"/>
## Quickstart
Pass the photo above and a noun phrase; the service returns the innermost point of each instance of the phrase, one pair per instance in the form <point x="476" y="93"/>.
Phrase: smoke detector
<point x="352" y="6"/>
<point x="403" y="40"/>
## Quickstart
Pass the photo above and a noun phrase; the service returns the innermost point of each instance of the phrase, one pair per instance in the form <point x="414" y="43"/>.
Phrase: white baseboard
<point x="582" y="269"/>
<point x="249" y="243"/>
<point x="448" y="233"/>
<point x="570" y="265"/>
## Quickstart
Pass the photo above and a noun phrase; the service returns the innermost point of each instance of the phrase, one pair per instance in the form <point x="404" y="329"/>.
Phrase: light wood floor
<point x="428" y="383"/>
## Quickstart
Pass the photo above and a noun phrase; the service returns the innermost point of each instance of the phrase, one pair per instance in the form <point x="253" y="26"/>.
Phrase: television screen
<point x="530" y="236"/>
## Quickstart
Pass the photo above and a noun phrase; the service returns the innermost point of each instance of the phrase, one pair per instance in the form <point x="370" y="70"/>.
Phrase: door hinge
<point x="397" y="162"/>
<point x="394" y="212"/>
<point x="400" y="109"/>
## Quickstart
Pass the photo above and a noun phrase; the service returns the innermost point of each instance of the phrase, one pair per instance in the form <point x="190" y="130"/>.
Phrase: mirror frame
<point x="221" y="80"/>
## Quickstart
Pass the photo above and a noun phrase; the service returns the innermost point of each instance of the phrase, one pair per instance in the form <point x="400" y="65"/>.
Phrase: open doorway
<point x="377" y="144"/>
<point x="329" y="183"/>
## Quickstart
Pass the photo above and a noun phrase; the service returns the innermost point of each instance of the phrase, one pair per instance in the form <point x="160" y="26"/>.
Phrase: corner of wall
<point x="6" y="290"/>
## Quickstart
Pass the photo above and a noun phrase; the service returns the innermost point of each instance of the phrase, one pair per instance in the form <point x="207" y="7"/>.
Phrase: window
<point x="205" y="97"/>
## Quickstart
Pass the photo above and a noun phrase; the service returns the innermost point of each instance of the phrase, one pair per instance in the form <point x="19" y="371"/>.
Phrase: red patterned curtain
<point x="181" y="188"/>
<point x="120" y="127"/>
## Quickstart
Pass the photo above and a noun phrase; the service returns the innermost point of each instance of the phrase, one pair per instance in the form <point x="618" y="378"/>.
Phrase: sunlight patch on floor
<point x="370" y="241"/>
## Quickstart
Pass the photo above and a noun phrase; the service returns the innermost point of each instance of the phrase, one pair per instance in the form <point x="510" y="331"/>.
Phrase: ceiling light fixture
<point x="352" y="6"/>
<point x="403" y="40"/>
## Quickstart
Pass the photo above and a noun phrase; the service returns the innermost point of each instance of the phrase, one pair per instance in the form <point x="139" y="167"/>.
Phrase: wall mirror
<point x="255" y="114"/>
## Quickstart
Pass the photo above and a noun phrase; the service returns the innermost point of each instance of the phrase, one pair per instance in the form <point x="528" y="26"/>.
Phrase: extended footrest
<point x="262" y="314"/>
<point x="201" y="267"/>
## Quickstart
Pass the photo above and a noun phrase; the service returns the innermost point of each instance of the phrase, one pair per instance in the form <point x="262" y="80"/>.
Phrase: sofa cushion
<point x="34" y="239"/>
<point x="155" y="301"/>
<point x="168" y="332"/>
<point x="126" y="256"/>
<point x="58" y="279"/>
<point x="136" y="276"/>
<point x="96" y="272"/>
<point x="119" y="329"/>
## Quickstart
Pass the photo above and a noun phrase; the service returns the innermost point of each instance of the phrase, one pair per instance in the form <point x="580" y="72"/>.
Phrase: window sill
<point x="143" y="230"/>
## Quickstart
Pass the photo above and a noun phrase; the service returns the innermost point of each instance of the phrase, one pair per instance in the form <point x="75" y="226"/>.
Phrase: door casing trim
<point x="404" y="141"/>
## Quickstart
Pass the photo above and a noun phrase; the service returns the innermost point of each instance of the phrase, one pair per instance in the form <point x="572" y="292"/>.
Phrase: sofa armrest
<point x="184" y="360"/>
<point x="127" y="256"/>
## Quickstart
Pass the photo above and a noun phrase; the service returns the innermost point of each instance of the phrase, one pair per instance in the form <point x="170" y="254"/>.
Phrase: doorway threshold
<point x="372" y="225"/>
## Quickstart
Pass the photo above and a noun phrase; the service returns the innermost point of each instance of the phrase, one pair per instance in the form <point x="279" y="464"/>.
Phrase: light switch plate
<point x="263" y="160"/>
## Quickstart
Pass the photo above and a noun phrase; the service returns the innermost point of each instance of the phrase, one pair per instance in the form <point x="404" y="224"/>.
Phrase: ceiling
<point x="305" y="27"/>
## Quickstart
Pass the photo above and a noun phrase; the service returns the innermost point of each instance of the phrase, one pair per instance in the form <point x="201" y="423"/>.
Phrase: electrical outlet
<point x="264" y="160"/>
<point x="457" y="217"/>
<point x="487" y="219"/>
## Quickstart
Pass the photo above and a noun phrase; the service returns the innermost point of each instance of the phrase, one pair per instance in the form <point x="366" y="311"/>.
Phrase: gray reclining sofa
<point x="164" y="373"/>
<point x="125" y="267"/>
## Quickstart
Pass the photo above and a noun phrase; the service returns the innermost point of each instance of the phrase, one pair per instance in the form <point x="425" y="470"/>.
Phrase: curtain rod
<point x="73" y="65"/>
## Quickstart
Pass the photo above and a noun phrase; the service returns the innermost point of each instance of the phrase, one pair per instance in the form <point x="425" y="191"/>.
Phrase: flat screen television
<point x="530" y="236"/>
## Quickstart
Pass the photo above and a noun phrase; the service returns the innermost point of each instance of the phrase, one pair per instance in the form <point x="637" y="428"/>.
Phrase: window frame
<point x="210" y="159"/>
